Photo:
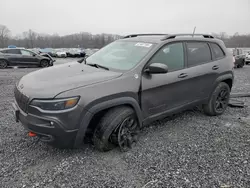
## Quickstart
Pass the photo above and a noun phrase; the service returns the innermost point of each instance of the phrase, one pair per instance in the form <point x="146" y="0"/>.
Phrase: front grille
<point x="21" y="99"/>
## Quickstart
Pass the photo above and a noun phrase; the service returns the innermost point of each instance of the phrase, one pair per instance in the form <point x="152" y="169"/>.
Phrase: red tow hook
<point x="31" y="134"/>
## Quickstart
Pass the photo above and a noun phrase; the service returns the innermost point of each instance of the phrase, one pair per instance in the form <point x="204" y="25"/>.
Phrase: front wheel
<point x="218" y="101"/>
<point x="3" y="64"/>
<point x="44" y="63"/>
<point x="118" y="127"/>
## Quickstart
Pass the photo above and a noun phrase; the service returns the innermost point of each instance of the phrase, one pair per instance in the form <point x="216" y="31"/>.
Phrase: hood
<point x="49" y="82"/>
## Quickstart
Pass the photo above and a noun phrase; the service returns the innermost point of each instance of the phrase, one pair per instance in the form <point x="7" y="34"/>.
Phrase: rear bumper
<point x="49" y="130"/>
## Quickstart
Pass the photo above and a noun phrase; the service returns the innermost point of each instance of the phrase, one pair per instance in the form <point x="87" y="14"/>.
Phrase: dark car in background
<point x="75" y="53"/>
<point x="239" y="57"/>
<point x="49" y="51"/>
<point x="48" y="55"/>
<point x="247" y="59"/>
<point x="23" y="57"/>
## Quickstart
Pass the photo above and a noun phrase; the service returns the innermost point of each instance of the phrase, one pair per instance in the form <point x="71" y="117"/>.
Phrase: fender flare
<point x="224" y="77"/>
<point x="95" y="108"/>
<point x="221" y="79"/>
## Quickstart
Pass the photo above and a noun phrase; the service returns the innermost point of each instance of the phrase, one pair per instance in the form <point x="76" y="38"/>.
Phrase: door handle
<point x="182" y="75"/>
<point x="215" y="67"/>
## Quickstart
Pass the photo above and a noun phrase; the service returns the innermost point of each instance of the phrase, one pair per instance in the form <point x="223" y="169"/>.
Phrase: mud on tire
<point x="218" y="101"/>
<point x="102" y="137"/>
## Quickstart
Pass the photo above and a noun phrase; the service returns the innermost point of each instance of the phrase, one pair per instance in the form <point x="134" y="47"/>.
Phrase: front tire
<point x="218" y="101"/>
<point x="44" y="63"/>
<point x="3" y="64"/>
<point x="112" y="131"/>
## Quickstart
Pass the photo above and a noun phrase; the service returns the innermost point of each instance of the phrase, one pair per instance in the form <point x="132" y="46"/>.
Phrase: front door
<point x="163" y="92"/>
<point x="28" y="58"/>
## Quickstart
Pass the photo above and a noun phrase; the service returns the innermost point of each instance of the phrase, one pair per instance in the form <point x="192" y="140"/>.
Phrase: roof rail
<point x="177" y="35"/>
<point x="146" y="34"/>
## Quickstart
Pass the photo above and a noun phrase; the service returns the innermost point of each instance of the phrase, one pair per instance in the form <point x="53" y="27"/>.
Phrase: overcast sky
<point x="126" y="16"/>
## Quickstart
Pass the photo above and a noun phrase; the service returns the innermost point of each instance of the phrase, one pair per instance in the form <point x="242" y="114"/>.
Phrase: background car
<point x="239" y="57"/>
<point x="23" y="57"/>
<point x="76" y="53"/>
<point x="61" y="53"/>
<point x="39" y="51"/>
<point x="49" y="51"/>
<point x="247" y="59"/>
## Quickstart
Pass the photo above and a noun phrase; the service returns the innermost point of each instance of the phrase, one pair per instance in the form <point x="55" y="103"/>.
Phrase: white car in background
<point x="247" y="59"/>
<point x="61" y="54"/>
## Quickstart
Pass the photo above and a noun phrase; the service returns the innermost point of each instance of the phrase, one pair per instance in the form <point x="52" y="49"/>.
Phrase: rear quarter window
<point x="13" y="51"/>
<point x="217" y="51"/>
<point x="198" y="53"/>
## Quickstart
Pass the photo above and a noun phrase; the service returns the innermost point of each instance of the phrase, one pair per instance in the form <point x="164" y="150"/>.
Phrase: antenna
<point x="194" y="31"/>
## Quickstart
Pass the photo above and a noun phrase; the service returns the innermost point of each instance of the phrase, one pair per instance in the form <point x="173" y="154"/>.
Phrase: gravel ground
<point x="187" y="150"/>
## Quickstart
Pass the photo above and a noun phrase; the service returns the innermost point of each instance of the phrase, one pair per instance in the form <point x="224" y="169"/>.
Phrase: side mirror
<point x="157" y="68"/>
<point x="34" y="55"/>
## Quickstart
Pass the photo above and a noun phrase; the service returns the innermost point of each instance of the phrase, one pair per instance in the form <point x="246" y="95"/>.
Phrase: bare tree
<point x="4" y="35"/>
<point x="31" y="39"/>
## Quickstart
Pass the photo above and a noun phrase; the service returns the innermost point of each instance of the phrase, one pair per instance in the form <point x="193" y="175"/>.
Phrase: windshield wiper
<point x="97" y="66"/>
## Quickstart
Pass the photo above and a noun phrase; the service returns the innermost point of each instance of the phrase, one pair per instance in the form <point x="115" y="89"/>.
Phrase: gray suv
<point x="24" y="58"/>
<point x="112" y="94"/>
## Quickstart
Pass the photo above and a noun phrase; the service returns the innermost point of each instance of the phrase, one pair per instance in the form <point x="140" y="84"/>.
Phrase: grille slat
<point x="21" y="99"/>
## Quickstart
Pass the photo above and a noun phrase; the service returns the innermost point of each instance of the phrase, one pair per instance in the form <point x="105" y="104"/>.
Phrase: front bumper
<point x="49" y="129"/>
<point x="52" y="62"/>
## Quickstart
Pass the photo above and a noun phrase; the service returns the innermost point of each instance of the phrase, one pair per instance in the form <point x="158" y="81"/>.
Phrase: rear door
<point x="28" y="57"/>
<point x="13" y="56"/>
<point x="202" y="70"/>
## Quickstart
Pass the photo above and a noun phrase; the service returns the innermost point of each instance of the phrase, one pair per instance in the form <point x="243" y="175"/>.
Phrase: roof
<point x="150" y="39"/>
<point x="159" y="38"/>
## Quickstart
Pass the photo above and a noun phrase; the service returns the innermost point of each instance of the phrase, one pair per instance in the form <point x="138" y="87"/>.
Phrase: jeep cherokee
<point x="129" y="83"/>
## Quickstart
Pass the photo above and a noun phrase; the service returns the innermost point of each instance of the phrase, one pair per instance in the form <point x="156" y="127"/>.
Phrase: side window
<point x="172" y="55"/>
<point x="218" y="53"/>
<point x="4" y="51"/>
<point x="13" y="51"/>
<point x="25" y="52"/>
<point x="198" y="53"/>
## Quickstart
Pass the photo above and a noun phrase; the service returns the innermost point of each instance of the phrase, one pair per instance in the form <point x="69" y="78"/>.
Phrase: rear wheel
<point x="118" y="127"/>
<point x="218" y="101"/>
<point x="3" y="64"/>
<point x="44" y="63"/>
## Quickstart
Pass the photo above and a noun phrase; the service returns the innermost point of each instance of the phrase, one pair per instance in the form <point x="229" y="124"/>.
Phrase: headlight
<point x="56" y="104"/>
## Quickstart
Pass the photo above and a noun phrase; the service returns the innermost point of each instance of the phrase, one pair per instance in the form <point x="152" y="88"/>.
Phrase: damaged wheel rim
<point x="222" y="100"/>
<point x="127" y="133"/>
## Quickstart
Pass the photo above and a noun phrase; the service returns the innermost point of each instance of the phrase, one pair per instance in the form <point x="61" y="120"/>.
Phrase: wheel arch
<point x="227" y="78"/>
<point x="99" y="109"/>
<point x="44" y="59"/>
<point x="5" y="60"/>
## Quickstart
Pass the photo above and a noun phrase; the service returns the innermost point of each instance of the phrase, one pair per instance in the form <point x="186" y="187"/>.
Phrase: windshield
<point x="121" y="55"/>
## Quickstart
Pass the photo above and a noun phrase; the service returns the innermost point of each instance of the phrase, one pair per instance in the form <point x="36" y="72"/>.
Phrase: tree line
<point x="32" y="39"/>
